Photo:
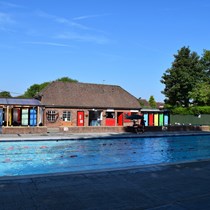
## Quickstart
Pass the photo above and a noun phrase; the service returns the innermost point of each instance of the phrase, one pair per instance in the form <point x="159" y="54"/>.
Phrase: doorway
<point x="120" y="118"/>
<point x="80" y="118"/>
<point x="95" y="118"/>
<point x="1" y="119"/>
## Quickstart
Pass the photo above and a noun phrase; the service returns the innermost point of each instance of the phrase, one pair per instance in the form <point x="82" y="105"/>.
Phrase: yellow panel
<point x="10" y="117"/>
<point x="155" y="119"/>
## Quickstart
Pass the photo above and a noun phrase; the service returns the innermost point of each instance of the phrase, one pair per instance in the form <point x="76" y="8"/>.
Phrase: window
<point x="66" y="116"/>
<point x="52" y="115"/>
<point x="110" y="115"/>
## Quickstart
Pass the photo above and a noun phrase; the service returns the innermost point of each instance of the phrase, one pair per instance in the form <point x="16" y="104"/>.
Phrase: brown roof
<point x="145" y="104"/>
<point x="84" y="95"/>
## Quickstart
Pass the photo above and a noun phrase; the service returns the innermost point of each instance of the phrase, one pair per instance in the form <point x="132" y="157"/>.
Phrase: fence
<point x="203" y="119"/>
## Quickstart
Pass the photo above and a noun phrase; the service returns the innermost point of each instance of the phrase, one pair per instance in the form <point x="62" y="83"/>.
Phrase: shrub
<point x="194" y="110"/>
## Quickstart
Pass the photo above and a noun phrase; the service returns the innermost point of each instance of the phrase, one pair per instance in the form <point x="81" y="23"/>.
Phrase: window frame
<point x="66" y="116"/>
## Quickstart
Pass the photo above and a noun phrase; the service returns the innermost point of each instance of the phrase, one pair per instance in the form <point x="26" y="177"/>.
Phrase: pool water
<point x="41" y="157"/>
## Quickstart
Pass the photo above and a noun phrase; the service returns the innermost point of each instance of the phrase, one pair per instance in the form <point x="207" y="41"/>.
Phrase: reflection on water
<point x="22" y="158"/>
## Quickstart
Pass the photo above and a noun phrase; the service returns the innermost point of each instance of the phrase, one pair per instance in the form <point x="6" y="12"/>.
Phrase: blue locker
<point x="33" y="116"/>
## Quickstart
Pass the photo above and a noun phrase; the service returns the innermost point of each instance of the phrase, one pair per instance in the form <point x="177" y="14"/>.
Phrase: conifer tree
<point x="179" y="80"/>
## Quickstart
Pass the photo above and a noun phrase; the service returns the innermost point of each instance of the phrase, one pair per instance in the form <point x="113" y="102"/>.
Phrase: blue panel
<point x="165" y="119"/>
<point x="146" y="119"/>
<point x="32" y="117"/>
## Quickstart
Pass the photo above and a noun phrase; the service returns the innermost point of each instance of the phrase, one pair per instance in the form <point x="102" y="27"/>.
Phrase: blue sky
<point x="129" y="43"/>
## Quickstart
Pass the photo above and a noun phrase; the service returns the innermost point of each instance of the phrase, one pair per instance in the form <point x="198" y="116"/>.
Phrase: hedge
<point x="195" y="110"/>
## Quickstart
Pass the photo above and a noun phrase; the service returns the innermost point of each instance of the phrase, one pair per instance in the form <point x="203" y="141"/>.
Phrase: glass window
<point x="66" y="116"/>
<point x="52" y="115"/>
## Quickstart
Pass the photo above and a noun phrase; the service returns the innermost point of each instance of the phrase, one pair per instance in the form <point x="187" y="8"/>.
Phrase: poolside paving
<point x="177" y="186"/>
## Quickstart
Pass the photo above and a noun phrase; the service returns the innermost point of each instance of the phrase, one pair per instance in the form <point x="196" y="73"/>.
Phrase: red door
<point x="120" y="119"/>
<point x="80" y="118"/>
<point x="151" y="119"/>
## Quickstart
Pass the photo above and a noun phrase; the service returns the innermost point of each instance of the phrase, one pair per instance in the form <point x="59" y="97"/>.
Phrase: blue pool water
<point x="40" y="157"/>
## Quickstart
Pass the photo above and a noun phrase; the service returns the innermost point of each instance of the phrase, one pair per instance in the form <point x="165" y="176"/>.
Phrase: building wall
<point x="24" y="130"/>
<point x="105" y="119"/>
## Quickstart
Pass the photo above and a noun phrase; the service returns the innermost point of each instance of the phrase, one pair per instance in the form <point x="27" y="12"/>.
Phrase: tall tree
<point x="186" y="71"/>
<point x="152" y="102"/>
<point x="206" y="63"/>
<point x="201" y="92"/>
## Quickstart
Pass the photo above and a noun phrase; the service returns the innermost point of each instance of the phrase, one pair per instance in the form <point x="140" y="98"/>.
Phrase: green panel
<point x="24" y="120"/>
<point x="161" y="119"/>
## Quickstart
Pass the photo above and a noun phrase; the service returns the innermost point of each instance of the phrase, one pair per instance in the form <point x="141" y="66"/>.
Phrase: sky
<point x="130" y="43"/>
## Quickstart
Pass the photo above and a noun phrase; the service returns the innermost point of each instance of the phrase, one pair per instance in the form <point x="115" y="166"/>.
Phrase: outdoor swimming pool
<point x="41" y="157"/>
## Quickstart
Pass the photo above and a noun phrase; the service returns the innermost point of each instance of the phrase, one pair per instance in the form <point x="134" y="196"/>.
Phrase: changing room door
<point x="166" y="119"/>
<point x="120" y="118"/>
<point x="80" y="118"/>
<point x="24" y="120"/>
<point x="146" y="119"/>
<point x="1" y="117"/>
<point x="33" y="117"/>
<point x="151" y="119"/>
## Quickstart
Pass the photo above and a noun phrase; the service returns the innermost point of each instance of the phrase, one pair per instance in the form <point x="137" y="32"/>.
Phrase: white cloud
<point x="84" y="38"/>
<point x="80" y="30"/>
<point x="88" y="17"/>
<point x="62" y="20"/>
<point x="54" y="44"/>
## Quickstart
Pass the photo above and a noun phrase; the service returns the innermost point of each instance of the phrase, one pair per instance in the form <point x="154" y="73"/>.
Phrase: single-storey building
<point x="69" y="107"/>
<point x="84" y="107"/>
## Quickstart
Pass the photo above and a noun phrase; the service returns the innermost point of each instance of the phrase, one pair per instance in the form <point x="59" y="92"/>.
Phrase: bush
<point x="194" y="110"/>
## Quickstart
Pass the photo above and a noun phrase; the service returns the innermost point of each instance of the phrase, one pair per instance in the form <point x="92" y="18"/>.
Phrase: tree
<point x="5" y="94"/>
<point x="186" y="71"/>
<point x="36" y="88"/>
<point x="66" y="79"/>
<point x="152" y="102"/>
<point x="201" y="94"/>
<point x="206" y="63"/>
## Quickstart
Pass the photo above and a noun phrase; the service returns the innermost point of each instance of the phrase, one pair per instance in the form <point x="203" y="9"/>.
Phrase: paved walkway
<point x="177" y="186"/>
<point x="183" y="186"/>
